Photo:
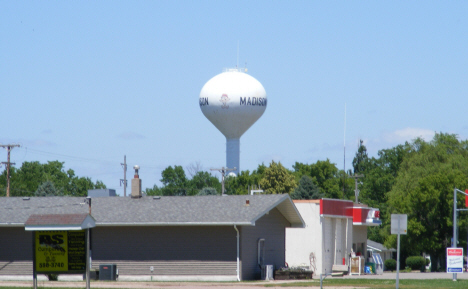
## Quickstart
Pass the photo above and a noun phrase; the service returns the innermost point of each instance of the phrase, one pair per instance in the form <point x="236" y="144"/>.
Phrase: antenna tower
<point x="344" y="152"/>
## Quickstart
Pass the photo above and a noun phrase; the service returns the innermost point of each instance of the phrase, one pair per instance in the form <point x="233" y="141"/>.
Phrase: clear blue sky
<point x="87" y="82"/>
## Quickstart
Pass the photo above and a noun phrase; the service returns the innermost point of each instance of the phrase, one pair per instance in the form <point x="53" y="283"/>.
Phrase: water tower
<point x="233" y="101"/>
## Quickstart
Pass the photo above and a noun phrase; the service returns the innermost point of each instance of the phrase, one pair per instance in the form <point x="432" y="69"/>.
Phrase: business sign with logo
<point x="60" y="251"/>
<point x="454" y="260"/>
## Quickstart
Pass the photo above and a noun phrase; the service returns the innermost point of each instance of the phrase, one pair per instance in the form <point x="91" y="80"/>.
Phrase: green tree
<point x="378" y="178"/>
<point x="361" y="158"/>
<point x="26" y="180"/>
<point x="306" y="190"/>
<point x="277" y="179"/>
<point x="174" y="181"/>
<point x="207" y="192"/>
<point x="423" y="190"/>
<point x="327" y="177"/>
<point x="240" y="184"/>
<point x="47" y="189"/>
<point x="154" y="191"/>
<point x="202" y="180"/>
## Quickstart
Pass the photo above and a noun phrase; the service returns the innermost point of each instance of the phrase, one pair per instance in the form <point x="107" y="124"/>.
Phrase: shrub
<point x="390" y="264"/>
<point x="52" y="277"/>
<point x="416" y="263"/>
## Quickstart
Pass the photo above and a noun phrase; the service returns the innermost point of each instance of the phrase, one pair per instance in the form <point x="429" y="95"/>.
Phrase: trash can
<point x="267" y="272"/>
<point x="371" y="267"/>
<point x="108" y="272"/>
<point x="367" y="270"/>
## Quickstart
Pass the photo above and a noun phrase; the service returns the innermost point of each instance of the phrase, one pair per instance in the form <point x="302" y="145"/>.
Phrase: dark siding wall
<point x="15" y="244"/>
<point x="204" y="250"/>
<point x="270" y="227"/>
<point x="15" y="251"/>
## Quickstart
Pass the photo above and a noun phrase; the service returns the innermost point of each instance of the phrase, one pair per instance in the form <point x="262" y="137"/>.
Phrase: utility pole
<point x="223" y="171"/>
<point x="8" y="163"/>
<point x="124" y="180"/>
<point x="356" y="191"/>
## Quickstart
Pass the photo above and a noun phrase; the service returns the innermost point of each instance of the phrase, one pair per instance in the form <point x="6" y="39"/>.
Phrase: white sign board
<point x="454" y="260"/>
<point x="399" y="224"/>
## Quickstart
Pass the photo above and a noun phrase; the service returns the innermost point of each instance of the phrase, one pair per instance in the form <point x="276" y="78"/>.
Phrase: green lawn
<point x="377" y="283"/>
<point x="353" y="283"/>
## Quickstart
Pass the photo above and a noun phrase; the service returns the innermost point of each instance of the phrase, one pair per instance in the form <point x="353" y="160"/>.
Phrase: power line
<point x="68" y="156"/>
<point x="105" y="162"/>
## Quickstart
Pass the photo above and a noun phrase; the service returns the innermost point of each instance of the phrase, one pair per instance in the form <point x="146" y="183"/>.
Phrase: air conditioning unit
<point x="267" y="272"/>
<point x="108" y="272"/>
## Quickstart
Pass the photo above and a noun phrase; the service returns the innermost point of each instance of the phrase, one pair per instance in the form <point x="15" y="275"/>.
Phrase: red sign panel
<point x="338" y="208"/>
<point x="454" y="252"/>
<point x="466" y="199"/>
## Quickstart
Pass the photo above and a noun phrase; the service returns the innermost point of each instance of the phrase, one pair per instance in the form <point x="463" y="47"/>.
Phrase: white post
<point x="454" y="241"/>
<point x="238" y="267"/>
<point x="398" y="257"/>
<point x="87" y="259"/>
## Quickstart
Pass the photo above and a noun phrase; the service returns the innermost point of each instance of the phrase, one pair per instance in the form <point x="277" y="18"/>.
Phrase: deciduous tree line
<point x="42" y="180"/>
<point x="305" y="181"/>
<point x="416" y="178"/>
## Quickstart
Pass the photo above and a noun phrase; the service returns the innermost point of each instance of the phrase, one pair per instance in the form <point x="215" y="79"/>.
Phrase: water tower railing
<point x="238" y="69"/>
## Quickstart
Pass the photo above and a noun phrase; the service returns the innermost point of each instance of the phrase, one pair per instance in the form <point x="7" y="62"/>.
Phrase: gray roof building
<point x="199" y="233"/>
<point x="154" y="211"/>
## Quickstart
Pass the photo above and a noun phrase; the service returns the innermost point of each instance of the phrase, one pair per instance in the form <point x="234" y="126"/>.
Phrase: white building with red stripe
<point x="332" y="228"/>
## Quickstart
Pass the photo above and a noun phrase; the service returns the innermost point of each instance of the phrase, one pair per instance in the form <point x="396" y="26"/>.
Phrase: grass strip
<point x="380" y="283"/>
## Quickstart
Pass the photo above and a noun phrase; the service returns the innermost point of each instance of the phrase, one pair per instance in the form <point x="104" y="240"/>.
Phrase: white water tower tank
<point x="233" y="101"/>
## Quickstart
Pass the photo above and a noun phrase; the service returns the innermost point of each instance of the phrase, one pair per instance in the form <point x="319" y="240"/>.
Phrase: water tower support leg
<point x="233" y="154"/>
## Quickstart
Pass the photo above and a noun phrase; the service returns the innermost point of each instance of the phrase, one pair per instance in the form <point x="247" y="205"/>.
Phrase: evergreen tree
<point x="306" y="190"/>
<point x="47" y="189"/>
<point x="207" y="192"/>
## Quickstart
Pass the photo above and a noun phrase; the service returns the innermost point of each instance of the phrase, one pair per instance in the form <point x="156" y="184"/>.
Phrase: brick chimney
<point x="136" y="184"/>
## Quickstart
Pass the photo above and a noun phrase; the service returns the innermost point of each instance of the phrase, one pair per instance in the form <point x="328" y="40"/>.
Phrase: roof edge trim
<point x="104" y="224"/>
<point x="283" y="199"/>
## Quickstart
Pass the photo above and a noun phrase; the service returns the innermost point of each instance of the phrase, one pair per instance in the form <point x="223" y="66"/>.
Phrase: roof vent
<point x="247" y="202"/>
<point x="156" y="197"/>
<point x="26" y="199"/>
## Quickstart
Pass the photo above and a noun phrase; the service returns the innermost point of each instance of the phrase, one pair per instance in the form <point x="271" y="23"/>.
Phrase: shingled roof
<point x="154" y="211"/>
<point x="46" y="222"/>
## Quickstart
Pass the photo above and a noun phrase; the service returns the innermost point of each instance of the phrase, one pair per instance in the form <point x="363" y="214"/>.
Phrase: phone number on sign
<point x="51" y="265"/>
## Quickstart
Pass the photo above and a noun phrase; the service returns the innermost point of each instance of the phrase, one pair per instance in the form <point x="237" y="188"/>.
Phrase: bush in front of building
<point x="390" y="264"/>
<point x="52" y="277"/>
<point x="416" y="263"/>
